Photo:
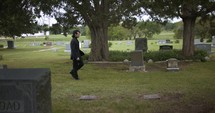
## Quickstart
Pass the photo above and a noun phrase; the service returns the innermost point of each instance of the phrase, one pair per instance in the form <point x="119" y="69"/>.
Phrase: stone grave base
<point x="137" y="68"/>
<point x="172" y="69"/>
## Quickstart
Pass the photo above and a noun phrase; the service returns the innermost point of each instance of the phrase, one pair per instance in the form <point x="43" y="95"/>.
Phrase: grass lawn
<point x="191" y="90"/>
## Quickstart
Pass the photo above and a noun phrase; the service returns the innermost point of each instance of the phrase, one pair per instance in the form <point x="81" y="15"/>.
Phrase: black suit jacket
<point x="75" y="50"/>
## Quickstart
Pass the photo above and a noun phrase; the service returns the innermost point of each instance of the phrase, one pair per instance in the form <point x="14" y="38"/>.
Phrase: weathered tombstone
<point x="48" y="43"/>
<point x="129" y="42"/>
<point x="204" y="47"/>
<point x="141" y="44"/>
<point x="197" y="41"/>
<point x="59" y="43"/>
<point x="137" y="63"/>
<point x="213" y="41"/>
<point x="172" y="64"/>
<point x="86" y="43"/>
<point x="161" y="41"/>
<point x="10" y="44"/>
<point x="165" y="47"/>
<point x="25" y="91"/>
<point x="67" y="49"/>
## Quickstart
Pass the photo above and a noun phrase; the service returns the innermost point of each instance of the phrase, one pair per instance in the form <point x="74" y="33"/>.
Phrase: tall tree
<point x="148" y="28"/>
<point x="18" y="16"/>
<point x="97" y="15"/>
<point x="188" y="10"/>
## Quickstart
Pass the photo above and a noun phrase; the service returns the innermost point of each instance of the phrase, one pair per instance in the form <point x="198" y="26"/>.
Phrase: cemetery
<point x="107" y="56"/>
<point x="104" y="87"/>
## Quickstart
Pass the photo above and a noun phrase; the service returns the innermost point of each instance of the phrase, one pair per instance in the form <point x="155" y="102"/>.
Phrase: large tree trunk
<point x="188" y="36"/>
<point x="99" y="45"/>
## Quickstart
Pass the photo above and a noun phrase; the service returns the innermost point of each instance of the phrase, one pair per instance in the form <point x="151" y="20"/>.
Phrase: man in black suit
<point x="76" y="54"/>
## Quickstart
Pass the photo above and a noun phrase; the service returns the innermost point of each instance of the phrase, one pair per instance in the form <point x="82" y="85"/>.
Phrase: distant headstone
<point x="204" y="47"/>
<point x="59" y="43"/>
<point x="197" y="41"/>
<point x="67" y="48"/>
<point x="129" y="42"/>
<point x="48" y="43"/>
<point x="137" y="63"/>
<point x="25" y="91"/>
<point x="165" y="47"/>
<point x="213" y="41"/>
<point x="161" y="41"/>
<point x="172" y="64"/>
<point x="10" y="44"/>
<point x="141" y="44"/>
<point x="86" y="43"/>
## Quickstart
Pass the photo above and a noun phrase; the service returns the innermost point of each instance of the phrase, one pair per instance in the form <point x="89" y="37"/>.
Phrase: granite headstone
<point x="25" y="90"/>
<point x="141" y="44"/>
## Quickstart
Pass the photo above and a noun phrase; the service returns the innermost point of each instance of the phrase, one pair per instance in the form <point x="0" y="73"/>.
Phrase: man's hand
<point x="78" y="58"/>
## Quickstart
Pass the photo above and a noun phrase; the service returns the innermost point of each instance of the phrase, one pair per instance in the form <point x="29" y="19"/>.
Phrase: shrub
<point x="162" y="55"/>
<point x="119" y="55"/>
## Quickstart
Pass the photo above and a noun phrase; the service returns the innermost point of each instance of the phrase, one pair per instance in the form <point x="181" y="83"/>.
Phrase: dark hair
<point x="75" y="32"/>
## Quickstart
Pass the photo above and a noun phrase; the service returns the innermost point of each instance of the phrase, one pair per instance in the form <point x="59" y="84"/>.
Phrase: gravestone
<point x="48" y="43"/>
<point x="129" y="42"/>
<point x="137" y="63"/>
<point x="161" y="41"/>
<point x="197" y="41"/>
<point x="172" y="64"/>
<point x="59" y="43"/>
<point x="165" y="47"/>
<point x="67" y="48"/>
<point x="213" y="41"/>
<point x="25" y="90"/>
<point x="86" y="43"/>
<point x="10" y="44"/>
<point x="141" y="44"/>
<point x="204" y="47"/>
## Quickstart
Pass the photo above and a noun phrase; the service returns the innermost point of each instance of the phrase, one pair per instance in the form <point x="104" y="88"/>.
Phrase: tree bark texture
<point x="99" y="47"/>
<point x="188" y="36"/>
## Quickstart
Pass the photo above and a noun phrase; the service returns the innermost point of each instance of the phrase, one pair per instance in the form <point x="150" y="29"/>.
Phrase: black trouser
<point x="77" y="64"/>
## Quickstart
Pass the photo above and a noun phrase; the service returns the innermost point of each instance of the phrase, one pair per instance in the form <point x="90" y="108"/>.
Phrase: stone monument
<point x="141" y="44"/>
<point x="25" y="90"/>
<point x="10" y="44"/>
<point x="137" y="63"/>
<point x="172" y="64"/>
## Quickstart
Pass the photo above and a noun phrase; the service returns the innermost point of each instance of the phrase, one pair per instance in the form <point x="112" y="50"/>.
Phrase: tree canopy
<point x="188" y="10"/>
<point x="98" y="15"/>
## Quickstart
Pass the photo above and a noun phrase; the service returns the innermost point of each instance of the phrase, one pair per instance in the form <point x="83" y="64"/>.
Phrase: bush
<point x="162" y="55"/>
<point x="155" y="55"/>
<point x="119" y="55"/>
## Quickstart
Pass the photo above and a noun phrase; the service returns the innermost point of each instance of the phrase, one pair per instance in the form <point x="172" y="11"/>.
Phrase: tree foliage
<point x="98" y="15"/>
<point x="18" y="16"/>
<point x="148" y="28"/>
<point x="188" y="10"/>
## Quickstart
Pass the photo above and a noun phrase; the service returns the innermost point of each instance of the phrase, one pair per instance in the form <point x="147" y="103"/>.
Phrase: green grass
<point x="191" y="90"/>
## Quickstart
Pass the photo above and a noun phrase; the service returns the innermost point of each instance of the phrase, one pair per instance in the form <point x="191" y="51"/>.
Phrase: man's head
<point x="76" y="33"/>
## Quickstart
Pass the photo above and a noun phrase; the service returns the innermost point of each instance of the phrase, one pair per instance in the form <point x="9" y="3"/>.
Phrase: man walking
<point x="76" y="54"/>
